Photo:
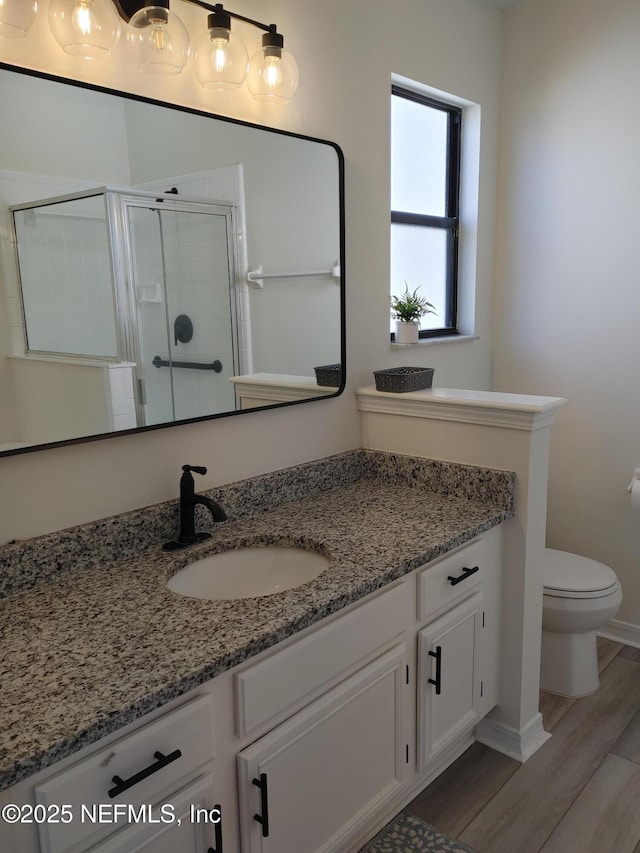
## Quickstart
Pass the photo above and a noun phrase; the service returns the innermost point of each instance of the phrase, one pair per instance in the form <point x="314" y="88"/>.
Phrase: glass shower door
<point x="182" y="282"/>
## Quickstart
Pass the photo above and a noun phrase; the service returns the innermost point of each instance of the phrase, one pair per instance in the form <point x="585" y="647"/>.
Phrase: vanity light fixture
<point x="273" y="73"/>
<point x="159" y="38"/>
<point x="221" y="59"/>
<point x="16" y="16"/>
<point x="161" y="44"/>
<point x="85" y="28"/>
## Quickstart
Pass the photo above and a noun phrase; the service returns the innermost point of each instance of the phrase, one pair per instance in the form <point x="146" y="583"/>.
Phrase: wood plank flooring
<point x="578" y="794"/>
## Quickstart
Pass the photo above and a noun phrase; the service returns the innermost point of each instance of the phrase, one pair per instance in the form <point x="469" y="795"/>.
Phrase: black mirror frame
<point x="191" y="111"/>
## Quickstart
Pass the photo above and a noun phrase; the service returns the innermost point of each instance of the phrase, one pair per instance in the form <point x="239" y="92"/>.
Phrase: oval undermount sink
<point x="248" y="573"/>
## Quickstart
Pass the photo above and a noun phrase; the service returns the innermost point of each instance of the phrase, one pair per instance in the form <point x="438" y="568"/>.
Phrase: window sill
<point x="445" y="339"/>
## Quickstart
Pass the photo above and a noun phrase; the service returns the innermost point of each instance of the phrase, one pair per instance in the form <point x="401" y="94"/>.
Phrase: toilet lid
<point x="571" y="576"/>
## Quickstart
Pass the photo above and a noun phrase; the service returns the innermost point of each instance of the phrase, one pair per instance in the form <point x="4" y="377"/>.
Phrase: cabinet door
<point x="192" y="825"/>
<point x="307" y="784"/>
<point x="449" y="685"/>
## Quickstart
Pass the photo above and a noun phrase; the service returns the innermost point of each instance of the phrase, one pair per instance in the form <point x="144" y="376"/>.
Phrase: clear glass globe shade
<point x="221" y="59"/>
<point x="160" y="40"/>
<point x="272" y="78"/>
<point x="16" y="16"/>
<point x="86" y="28"/>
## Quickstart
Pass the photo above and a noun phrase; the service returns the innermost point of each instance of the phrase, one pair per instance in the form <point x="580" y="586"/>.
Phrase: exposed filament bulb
<point x="272" y="73"/>
<point x="82" y="18"/>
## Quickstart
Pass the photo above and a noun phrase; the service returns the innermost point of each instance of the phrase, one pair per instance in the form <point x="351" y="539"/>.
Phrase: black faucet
<point x="188" y="502"/>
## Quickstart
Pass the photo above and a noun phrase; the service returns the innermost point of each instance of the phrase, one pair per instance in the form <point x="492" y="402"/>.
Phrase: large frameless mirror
<point x="159" y="265"/>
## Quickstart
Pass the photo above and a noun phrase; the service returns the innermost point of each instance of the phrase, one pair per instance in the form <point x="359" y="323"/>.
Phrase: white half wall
<point x="504" y="431"/>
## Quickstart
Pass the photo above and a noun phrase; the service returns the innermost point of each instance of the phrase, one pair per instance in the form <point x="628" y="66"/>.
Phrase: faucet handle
<point x="199" y="469"/>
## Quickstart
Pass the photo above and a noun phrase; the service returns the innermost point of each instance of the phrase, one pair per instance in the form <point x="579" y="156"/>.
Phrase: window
<point x="425" y="179"/>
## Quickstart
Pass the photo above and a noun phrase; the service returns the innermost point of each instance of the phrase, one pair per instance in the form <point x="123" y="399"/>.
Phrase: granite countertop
<point x="95" y="647"/>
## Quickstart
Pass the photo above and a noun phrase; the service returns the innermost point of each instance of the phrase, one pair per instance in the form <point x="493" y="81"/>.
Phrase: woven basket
<point x="329" y="375"/>
<point x="402" y="379"/>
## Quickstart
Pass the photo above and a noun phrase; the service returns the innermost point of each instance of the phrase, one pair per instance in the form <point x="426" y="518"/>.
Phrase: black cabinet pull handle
<point x="466" y="573"/>
<point x="263" y="819"/>
<point x="218" y="833"/>
<point x="161" y="761"/>
<point x="437" y="681"/>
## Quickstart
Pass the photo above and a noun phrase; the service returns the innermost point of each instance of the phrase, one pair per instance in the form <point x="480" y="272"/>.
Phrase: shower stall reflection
<point x="143" y="287"/>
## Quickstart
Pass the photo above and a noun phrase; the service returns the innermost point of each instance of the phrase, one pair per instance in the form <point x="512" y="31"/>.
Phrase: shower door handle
<point x="216" y="365"/>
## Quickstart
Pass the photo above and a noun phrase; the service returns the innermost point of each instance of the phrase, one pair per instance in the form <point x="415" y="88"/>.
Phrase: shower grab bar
<point x="257" y="276"/>
<point x="191" y="365"/>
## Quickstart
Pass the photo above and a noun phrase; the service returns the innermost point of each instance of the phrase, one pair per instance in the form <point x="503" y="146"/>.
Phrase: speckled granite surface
<point x="80" y="652"/>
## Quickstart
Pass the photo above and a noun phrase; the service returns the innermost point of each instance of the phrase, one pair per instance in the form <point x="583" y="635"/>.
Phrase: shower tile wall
<point x="66" y="279"/>
<point x="119" y="392"/>
<point x="15" y="188"/>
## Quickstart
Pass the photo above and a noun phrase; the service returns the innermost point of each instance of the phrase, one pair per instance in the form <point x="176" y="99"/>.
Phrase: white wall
<point x="568" y="300"/>
<point x="291" y="193"/>
<point x="346" y="53"/>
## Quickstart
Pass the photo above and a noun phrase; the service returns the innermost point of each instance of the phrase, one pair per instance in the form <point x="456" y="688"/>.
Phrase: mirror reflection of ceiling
<point x="158" y="266"/>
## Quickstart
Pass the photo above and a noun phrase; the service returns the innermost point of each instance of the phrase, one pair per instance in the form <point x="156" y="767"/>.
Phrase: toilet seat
<point x="571" y="576"/>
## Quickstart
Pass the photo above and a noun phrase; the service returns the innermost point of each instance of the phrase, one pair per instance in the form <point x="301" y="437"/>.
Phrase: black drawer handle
<point x="161" y="761"/>
<point x="263" y="819"/>
<point x="466" y="573"/>
<point x="437" y="681"/>
<point x="218" y="833"/>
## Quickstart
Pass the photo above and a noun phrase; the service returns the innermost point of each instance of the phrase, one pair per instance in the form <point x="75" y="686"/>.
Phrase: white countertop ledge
<point x="489" y="408"/>
<point x="280" y="387"/>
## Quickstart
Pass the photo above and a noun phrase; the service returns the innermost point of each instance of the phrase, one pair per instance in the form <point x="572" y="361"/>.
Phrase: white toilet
<point x="580" y="596"/>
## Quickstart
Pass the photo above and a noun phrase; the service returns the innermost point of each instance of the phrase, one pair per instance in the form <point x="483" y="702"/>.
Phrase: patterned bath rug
<point x="409" y="834"/>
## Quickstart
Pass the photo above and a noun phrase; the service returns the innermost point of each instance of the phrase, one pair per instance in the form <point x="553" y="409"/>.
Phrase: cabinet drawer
<point x="437" y="593"/>
<point x="150" y="762"/>
<point x="170" y="836"/>
<point x="284" y="680"/>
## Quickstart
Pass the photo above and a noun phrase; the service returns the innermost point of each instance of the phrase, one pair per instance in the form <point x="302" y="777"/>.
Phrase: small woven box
<point x="402" y="379"/>
<point x="329" y="375"/>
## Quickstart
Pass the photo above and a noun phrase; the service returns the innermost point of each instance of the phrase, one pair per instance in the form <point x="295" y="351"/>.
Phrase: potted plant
<point x="406" y="310"/>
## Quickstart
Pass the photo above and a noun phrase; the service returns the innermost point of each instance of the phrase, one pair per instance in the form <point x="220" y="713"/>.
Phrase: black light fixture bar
<point x="268" y="28"/>
<point x="128" y="8"/>
<point x="220" y="59"/>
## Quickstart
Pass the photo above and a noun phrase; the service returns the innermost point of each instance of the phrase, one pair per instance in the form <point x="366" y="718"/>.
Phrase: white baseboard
<point x="621" y="632"/>
<point x="518" y="744"/>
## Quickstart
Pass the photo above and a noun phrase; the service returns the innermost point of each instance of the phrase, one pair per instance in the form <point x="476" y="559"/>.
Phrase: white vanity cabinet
<point x="449" y="678"/>
<point x="311" y="745"/>
<point x="458" y="650"/>
<point x="330" y="712"/>
<point x="304" y="785"/>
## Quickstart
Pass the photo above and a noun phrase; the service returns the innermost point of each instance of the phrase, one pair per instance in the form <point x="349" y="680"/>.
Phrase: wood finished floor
<point x="579" y="793"/>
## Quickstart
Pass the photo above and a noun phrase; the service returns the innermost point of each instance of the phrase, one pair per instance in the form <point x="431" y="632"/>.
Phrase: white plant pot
<point x="406" y="333"/>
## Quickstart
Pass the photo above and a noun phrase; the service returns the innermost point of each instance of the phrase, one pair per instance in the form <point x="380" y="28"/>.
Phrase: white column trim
<point x="518" y="744"/>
